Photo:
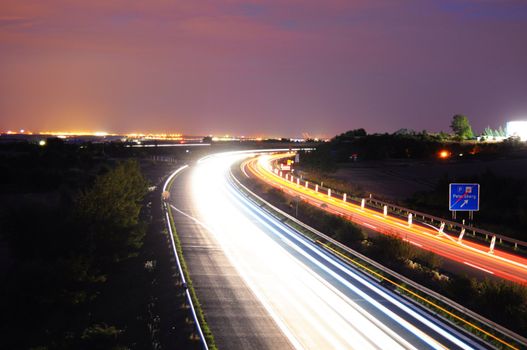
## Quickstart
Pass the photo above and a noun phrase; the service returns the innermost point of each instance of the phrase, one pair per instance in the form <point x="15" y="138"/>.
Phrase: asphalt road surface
<point x="470" y="254"/>
<point x="263" y="285"/>
<point x="236" y="317"/>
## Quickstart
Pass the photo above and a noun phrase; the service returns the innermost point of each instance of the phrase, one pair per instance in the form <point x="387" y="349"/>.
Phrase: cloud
<point x="215" y="64"/>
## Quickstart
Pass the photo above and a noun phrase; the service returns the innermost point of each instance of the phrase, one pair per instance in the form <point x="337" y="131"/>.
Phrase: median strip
<point x="450" y="311"/>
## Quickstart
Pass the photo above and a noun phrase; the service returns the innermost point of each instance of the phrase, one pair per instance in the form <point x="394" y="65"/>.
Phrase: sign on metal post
<point x="464" y="197"/>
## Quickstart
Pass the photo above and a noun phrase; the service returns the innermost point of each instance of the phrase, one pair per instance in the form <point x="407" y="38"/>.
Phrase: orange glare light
<point x="444" y="154"/>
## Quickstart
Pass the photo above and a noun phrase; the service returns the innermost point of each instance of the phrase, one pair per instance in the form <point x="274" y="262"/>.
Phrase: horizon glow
<point x="310" y="69"/>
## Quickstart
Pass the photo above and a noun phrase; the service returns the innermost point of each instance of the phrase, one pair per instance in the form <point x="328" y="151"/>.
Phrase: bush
<point x="62" y="257"/>
<point x="504" y="302"/>
<point x="335" y="226"/>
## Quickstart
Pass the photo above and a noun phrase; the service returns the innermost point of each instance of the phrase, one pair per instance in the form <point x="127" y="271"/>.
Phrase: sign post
<point x="463" y="197"/>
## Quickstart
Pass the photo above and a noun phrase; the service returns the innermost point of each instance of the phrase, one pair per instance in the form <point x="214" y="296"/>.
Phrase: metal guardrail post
<point x="452" y="304"/>
<point x="484" y="233"/>
<point x="515" y="244"/>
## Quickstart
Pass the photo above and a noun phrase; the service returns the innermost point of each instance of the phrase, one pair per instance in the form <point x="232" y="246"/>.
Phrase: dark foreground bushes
<point x="62" y="256"/>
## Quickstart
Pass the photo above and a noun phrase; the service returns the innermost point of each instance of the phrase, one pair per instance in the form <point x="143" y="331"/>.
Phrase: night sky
<point x="261" y="68"/>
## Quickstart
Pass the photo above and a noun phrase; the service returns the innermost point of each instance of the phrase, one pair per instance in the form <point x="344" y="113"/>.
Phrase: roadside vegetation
<point x="84" y="262"/>
<point x="503" y="205"/>
<point x="503" y="199"/>
<point x="501" y="301"/>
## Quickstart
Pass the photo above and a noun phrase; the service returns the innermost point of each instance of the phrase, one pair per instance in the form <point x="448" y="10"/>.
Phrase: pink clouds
<point x="209" y="66"/>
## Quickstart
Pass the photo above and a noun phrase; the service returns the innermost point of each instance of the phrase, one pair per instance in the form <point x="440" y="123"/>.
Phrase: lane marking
<point x="477" y="267"/>
<point x="491" y="335"/>
<point x="431" y="324"/>
<point x="295" y="343"/>
<point x="243" y="170"/>
<point x="435" y="236"/>
<point x="412" y="242"/>
<point x="369" y="225"/>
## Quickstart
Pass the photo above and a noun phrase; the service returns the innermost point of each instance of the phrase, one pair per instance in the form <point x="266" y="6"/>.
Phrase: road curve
<point x="501" y="264"/>
<point x="234" y="314"/>
<point x="316" y="300"/>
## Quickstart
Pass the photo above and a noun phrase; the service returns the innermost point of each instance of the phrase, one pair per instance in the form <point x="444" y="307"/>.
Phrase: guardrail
<point x="483" y="234"/>
<point x="490" y="325"/>
<point x="166" y="187"/>
<point x="460" y="229"/>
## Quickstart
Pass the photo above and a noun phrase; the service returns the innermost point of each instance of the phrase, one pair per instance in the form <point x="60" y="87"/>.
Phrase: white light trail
<point x="290" y="276"/>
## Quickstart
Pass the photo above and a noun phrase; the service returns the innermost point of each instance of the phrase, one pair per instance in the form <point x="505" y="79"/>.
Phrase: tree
<point x="488" y="132"/>
<point x="109" y="211"/>
<point x="351" y="134"/>
<point x="504" y="302"/>
<point x="461" y="127"/>
<point x="405" y="132"/>
<point x="443" y="136"/>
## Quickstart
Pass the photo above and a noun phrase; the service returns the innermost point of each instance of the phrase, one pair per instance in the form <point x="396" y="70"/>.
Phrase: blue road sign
<point x="464" y="197"/>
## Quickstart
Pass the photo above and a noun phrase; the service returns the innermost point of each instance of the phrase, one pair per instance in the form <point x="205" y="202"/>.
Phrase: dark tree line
<point x="503" y="200"/>
<point x="356" y="145"/>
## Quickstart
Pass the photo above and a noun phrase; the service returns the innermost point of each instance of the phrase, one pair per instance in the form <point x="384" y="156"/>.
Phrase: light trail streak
<point x="414" y="243"/>
<point x="478" y="267"/>
<point x="319" y="301"/>
<point x="369" y="225"/>
<point x="386" y="296"/>
<point x="502" y="264"/>
<point x="294" y="342"/>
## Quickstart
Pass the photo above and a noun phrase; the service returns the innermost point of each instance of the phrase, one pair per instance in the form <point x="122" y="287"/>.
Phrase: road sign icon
<point x="464" y="197"/>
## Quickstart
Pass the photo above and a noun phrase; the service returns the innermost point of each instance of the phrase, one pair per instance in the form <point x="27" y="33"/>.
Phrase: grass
<point x="435" y="306"/>
<point x="207" y="333"/>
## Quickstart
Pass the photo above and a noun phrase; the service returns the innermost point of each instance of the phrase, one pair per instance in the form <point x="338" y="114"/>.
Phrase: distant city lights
<point x="139" y="137"/>
<point x="66" y="134"/>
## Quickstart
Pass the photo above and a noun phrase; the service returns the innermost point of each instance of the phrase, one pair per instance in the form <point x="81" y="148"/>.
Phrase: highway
<point x="315" y="300"/>
<point x="470" y="254"/>
<point x="235" y="316"/>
